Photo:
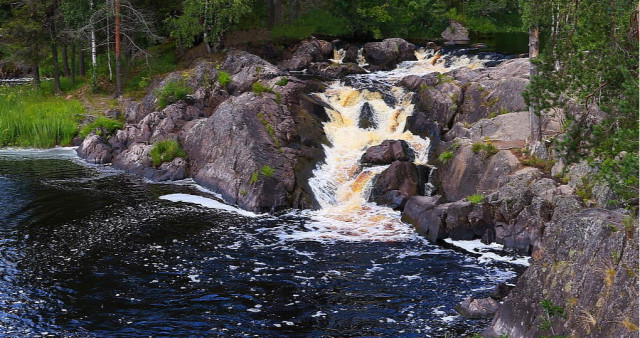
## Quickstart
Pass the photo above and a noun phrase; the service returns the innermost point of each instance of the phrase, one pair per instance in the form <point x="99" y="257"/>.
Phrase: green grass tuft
<point x="282" y="82"/>
<point x="486" y="148"/>
<point x="173" y="91"/>
<point x="165" y="151"/>
<point x="475" y="198"/>
<point x="445" y="157"/>
<point x="259" y="89"/>
<point x="267" y="171"/>
<point x="102" y="125"/>
<point x="224" y="78"/>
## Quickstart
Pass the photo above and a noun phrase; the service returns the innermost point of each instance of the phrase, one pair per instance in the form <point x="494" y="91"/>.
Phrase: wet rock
<point x="385" y="55"/>
<point x="402" y="176"/>
<point x="417" y="205"/>
<point x="308" y="52"/>
<point x="367" y="117"/>
<point x="394" y="199"/>
<point x="387" y="152"/>
<point x="171" y="171"/>
<point x="500" y="292"/>
<point x="335" y="70"/>
<point x="431" y="223"/>
<point x="351" y="54"/>
<point x="95" y="149"/>
<point x="478" y="308"/>
<point x="456" y="32"/>
<point x="588" y="268"/>
<point x="229" y="148"/>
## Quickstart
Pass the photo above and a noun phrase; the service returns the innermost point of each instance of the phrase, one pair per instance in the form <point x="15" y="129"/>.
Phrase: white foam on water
<point x="33" y="153"/>
<point x="487" y="252"/>
<point x="207" y="203"/>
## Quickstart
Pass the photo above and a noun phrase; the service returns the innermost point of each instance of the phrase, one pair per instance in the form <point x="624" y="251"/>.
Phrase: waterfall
<point x="341" y="185"/>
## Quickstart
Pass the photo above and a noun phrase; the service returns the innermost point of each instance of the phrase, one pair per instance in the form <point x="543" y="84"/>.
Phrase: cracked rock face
<point x="588" y="267"/>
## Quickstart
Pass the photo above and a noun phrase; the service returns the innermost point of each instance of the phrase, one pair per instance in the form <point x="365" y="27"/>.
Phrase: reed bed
<point x="32" y="118"/>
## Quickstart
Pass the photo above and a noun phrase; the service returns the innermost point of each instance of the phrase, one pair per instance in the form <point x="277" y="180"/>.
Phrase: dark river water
<point x="88" y="251"/>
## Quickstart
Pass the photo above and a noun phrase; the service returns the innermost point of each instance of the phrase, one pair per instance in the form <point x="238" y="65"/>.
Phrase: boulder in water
<point x="95" y="149"/>
<point x="402" y="176"/>
<point x="478" y="308"/>
<point x="367" y="117"/>
<point x="334" y="70"/>
<point x="386" y="55"/>
<point x="387" y="152"/>
<point x="351" y="54"/>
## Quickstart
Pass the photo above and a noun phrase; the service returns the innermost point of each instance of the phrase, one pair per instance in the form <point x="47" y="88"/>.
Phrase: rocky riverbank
<point x="256" y="139"/>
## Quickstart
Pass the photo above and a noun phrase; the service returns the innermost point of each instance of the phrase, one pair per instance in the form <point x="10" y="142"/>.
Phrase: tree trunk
<point x="293" y="9"/>
<point x="65" y="63"/>
<point x="535" y="138"/>
<point x="205" y="26"/>
<point x="81" y="68"/>
<point x="54" y="58"/>
<point x="56" y="67"/>
<point x="36" y="75"/>
<point x="73" y="62"/>
<point x="117" y="48"/>
<point x="271" y="15"/>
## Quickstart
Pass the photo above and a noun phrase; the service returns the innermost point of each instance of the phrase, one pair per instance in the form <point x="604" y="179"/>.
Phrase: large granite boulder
<point x="95" y="149"/>
<point x="437" y="104"/>
<point x="455" y="33"/>
<point x="256" y="152"/>
<point x="387" y="152"/>
<point x="478" y="308"/>
<point x="468" y="173"/>
<point x="388" y="53"/>
<point x="308" y="52"/>
<point x="586" y="277"/>
<point x="401" y="180"/>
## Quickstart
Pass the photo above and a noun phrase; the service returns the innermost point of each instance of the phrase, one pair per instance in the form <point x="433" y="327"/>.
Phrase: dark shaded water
<point x="90" y="252"/>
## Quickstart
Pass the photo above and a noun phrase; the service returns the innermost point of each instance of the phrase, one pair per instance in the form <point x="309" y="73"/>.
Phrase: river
<point x="90" y="251"/>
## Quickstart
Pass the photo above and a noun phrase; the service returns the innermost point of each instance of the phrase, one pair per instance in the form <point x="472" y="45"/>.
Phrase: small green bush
<point x="475" y="198"/>
<point x="445" y="157"/>
<point x="173" y="91"/>
<point x="267" y="171"/>
<point x="486" y="148"/>
<point x="254" y="177"/>
<point x="102" y="125"/>
<point x="224" y="78"/>
<point x="259" y="89"/>
<point x="282" y="82"/>
<point x="165" y="151"/>
<point x="533" y="161"/>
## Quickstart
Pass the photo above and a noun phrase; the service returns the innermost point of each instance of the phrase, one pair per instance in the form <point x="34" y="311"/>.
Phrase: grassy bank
<point x="34" y="118"/>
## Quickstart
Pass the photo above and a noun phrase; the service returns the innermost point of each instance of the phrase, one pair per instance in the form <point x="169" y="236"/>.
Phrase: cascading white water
<point x="340" y="184"/>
